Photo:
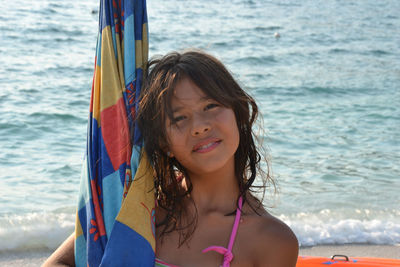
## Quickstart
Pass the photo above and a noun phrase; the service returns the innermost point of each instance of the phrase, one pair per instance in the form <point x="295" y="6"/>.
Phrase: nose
<point x="200" y="125"/>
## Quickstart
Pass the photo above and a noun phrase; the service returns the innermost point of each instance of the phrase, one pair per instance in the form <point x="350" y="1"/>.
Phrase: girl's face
<point x="203" y="135"/>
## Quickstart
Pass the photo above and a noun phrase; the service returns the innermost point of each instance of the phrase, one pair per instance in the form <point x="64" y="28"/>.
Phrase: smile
<point x="206" y="146"/>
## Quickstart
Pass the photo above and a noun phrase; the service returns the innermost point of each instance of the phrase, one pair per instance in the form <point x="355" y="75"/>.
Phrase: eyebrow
<point x="177" y="109"/>
<point x="202" y="99"/>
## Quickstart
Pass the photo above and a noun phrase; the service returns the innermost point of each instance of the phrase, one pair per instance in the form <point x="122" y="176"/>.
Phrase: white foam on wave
<point x="49" y="230"/>
<point x="35" y="230"/>
<point x="312" y="229"/>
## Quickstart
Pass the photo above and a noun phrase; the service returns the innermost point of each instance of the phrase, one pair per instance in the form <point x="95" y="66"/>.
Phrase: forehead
<point x="186" y="92"/>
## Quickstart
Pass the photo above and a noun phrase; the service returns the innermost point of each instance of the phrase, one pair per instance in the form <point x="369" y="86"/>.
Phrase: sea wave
<point x="34" y="230"/>
<point x="311" y="230"/>
<point x="48" y="230"/>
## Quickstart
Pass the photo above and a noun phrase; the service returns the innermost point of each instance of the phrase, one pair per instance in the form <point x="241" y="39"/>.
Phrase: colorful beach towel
<point x="115" y="214"/>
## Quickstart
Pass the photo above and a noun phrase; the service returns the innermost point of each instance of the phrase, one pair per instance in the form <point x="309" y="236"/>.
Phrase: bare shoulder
<point x="277" y="245"/>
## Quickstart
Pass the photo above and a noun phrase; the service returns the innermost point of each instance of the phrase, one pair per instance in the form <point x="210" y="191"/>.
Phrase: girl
<point x="197" y="126"/>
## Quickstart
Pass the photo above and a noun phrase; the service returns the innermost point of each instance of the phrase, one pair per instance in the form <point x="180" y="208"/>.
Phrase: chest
<point x="209" y="232"/>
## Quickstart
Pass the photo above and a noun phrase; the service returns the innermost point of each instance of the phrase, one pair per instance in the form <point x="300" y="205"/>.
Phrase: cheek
<point x="236" y="136"/>
<point x="228" y="119"/>
<point x="175" y="141"/>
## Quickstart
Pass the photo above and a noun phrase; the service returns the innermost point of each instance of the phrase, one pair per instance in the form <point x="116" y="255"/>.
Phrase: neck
<point x="215" y="192"/>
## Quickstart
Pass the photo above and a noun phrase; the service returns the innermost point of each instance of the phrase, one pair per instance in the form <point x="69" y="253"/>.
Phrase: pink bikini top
<point x="227" y="252"/>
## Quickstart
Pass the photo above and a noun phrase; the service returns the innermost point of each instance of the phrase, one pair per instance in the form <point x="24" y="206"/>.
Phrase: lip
<point x="206" y="145"/>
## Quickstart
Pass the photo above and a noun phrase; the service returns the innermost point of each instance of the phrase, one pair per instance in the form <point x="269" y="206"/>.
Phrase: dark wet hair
<point x="211" y="76"/>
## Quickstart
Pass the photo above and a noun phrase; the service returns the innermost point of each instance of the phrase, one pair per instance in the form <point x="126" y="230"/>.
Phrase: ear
<point x="167" y="151"/>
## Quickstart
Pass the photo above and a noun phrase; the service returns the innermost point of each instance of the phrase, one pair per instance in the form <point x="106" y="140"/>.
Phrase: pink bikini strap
<point x="236" y="224"/>
<point x="227" y="252"/>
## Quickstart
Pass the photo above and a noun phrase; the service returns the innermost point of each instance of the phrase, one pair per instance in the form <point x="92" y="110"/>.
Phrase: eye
<point x="178" y="119"/>
<point x="211" y="106"/>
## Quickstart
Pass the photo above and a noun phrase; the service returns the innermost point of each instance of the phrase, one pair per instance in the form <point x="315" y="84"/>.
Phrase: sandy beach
<point x="36" y="258"/>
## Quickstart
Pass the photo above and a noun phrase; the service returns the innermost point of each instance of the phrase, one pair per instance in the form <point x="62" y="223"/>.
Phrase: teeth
<point x="206" y="146"/>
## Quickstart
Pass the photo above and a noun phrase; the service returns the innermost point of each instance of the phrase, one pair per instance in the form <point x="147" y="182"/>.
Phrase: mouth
<point x="206" y="146"/>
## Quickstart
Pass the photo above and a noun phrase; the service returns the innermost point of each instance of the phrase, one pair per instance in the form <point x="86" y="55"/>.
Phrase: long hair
<point x="216" y="82"/>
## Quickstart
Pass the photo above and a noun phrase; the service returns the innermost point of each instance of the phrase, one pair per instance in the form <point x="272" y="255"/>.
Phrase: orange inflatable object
<point x="342" y="260"/>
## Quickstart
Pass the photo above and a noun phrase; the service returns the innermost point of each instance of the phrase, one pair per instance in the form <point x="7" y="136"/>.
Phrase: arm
<point x="278" y="246"/>
<point x="286" y="252"/>
<point x="64" y="254"/>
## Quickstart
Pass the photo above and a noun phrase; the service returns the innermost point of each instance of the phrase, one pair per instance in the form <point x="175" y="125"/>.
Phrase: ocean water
<point x="328" y="90"/>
